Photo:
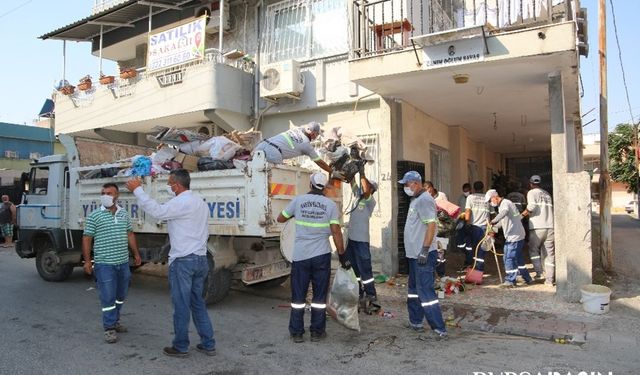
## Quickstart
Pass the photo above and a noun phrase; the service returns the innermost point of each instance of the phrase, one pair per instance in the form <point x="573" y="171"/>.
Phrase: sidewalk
<point x="535" y="311"/>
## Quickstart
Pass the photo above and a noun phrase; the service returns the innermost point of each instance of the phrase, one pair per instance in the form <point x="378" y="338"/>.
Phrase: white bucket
<point x="595" y="298"/>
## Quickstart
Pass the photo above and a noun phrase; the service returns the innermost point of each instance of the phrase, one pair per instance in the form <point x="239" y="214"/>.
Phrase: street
<point x="55" y="328"/>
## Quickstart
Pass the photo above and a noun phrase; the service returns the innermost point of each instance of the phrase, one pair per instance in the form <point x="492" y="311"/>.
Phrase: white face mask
<point x="170" y="191"/>
<point x="494" y="204"/>
<point x="466" y="193"/>
<point x="408" y="191"/>
<point x="106" y="201"/>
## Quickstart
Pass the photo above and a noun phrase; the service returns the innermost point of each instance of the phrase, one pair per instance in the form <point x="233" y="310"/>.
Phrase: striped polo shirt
<point x="314" y="215"/>
<point x="109" y="232"/>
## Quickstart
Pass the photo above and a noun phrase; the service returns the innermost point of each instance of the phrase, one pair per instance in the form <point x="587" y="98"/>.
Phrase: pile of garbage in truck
<point x="183" y="148"/>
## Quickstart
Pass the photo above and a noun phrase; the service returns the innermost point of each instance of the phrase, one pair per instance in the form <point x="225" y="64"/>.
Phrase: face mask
<point x="494" y="204"/>
<point x="466" y="193"/>
<point x="408" y="191"/>
<point x="170" y="191"/>
<point x="106" y="200"/>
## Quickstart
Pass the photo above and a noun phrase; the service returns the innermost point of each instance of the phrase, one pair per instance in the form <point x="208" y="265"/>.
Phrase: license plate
<point x="256" y="274"/>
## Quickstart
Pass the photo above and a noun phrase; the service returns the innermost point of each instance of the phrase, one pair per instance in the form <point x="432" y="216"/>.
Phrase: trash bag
<point x="222" y="148"/>
<point x="343" y="299"/>
<point x="141" y="166"/>
<point x="209" y="164"/>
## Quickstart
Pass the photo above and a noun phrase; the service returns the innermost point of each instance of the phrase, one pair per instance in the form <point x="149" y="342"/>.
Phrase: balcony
<point x="214" y="90"/>
<point x="484" y="69"/>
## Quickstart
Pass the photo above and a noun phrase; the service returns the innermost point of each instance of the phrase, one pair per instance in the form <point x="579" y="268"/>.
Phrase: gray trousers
<point x="271" y="153"/>
<point x="539" y="238"/>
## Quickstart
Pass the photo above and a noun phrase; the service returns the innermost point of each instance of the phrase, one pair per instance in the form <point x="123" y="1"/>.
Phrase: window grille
<point x="305" y="29"/>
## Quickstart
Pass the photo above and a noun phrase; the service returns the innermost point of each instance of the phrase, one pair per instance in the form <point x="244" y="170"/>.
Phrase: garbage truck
<point x="244" y="237"/>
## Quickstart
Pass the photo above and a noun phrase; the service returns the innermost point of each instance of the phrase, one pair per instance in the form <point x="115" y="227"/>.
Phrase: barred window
<point x="305" y="30"/>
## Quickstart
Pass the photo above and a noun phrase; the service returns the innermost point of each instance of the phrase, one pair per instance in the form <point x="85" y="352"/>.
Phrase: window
<point x="440" y="167"/>
<point x="305" y="29"/>
<point x="39" y="180"/>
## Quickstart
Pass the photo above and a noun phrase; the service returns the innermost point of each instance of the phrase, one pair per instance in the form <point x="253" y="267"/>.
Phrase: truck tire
<point x="48" y="264"/>
<point x="269" y="284"/>
<point x="217" y="284"/>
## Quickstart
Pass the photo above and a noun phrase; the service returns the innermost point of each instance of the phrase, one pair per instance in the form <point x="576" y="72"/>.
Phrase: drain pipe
<point x="256" y="66"/>
<point x="221" y="30"/>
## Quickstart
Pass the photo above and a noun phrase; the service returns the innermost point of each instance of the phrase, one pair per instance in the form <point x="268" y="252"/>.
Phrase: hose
<point x="492" y="250"/>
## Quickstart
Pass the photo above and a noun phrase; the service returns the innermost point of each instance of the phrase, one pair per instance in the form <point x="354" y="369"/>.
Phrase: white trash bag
<point x="343" y="299"/>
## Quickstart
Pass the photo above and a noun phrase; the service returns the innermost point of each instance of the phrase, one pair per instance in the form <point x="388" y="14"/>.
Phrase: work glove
<point x="424" y="254"/>
<point x="344" y="261"/>
<point x="338" y="175"/>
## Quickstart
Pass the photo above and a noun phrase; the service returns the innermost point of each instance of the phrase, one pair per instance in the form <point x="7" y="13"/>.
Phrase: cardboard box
<point x="189" y="162"/>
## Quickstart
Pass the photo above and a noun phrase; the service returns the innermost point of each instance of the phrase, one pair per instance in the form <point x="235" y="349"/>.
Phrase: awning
<point x="121" y="15"/>
<point x="47" y="109"/>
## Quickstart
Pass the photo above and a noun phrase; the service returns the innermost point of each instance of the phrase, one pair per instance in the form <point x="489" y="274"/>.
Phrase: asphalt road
<point x="54" y="328"/>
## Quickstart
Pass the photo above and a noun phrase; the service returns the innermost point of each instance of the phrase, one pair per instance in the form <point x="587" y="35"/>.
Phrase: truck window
<point x="39" y="180"/>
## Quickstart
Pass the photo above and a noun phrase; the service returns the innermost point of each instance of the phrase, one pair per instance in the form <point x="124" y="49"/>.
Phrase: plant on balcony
<point x="67" y="89"/>
<point x="126" y="73"/>
<point x="85" y="83"/>
<point x="106" y="80"/>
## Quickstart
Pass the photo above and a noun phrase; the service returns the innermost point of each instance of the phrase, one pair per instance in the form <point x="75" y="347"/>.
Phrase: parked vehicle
<point x="630" y="207"/>
<point x="244" y="242"/>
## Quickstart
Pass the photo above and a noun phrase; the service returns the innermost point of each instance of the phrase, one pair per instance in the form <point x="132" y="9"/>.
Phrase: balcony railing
<point x="381" y="26"/>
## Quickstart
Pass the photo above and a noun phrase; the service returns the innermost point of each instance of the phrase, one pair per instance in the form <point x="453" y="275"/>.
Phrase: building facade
<point x="460" y="90"/>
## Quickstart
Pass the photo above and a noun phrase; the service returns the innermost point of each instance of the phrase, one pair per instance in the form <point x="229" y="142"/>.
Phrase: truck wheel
<point x="217" y="284"/>
<point x="49" y="267"/>
<point x="273" y="283"/>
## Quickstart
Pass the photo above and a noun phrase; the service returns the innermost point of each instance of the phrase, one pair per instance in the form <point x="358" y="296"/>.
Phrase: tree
<point x="622" y="157"/>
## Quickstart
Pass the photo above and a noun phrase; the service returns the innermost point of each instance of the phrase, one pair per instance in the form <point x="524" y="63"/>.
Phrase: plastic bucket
<point x="595" y="298"/>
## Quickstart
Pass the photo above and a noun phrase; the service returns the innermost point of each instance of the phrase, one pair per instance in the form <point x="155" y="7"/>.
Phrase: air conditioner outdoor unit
<point x="11" y="154"/>
<point x="34" y="155"/>
<point x="212" y="11"/>
<point x="281" y="79"/>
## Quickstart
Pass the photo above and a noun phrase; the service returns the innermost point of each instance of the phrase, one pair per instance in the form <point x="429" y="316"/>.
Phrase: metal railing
<point x="381" y="26"/>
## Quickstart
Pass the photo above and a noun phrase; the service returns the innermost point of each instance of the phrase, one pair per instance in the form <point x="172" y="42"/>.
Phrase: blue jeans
<point x="514" y="261"/>
<point x="316" y="270"/>
<point x="186" y="279"/>
<point x="360" y="257"/>
<point x="422" y="301"/>
<point x="112" y="282"/>
<point x="473" y="240"/>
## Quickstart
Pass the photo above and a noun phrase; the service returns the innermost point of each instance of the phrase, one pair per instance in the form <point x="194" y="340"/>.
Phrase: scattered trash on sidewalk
<point x="387" y="314"/>
<point x="381" y="279"/>
<point x="90" y="288"/>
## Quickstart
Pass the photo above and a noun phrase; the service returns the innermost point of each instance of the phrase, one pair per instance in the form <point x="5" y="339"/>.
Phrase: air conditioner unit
<point x="34" y="155"/>
<point x="281" y="79"/>
<point x="11" y="154"/>
<point x="212" y="11"/>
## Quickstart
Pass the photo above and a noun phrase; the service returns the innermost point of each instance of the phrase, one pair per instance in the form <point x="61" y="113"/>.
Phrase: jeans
<point x="112" y="282"/>
<point x="186" y="279"/>
<point x="360" y="257"/>
<point x="476" y="235"/>
<point x="514" y="262"/>
<point x="422" y="301"/>
<point x="316" y="270"/>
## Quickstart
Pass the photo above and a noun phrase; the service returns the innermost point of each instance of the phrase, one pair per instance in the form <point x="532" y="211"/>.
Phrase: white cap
<point x="318" y="180"/>
<point x="490" y="194"/>
<point x="535" y="179"/>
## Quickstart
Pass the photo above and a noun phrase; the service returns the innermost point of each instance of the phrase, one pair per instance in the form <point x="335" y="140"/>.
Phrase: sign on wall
<point x="457" y="52"/>
<point x="177" y="45"/>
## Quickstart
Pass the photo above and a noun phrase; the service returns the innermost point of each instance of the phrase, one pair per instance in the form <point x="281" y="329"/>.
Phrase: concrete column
<point x="571" y="195"/>
<point x="390" y="134"/>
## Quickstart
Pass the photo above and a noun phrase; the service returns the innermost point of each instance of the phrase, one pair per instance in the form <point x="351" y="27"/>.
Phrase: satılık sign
<point x="176" y="46"/>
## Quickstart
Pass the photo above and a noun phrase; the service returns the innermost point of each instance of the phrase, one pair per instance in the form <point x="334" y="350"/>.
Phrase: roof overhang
<point x="118" y="16"/>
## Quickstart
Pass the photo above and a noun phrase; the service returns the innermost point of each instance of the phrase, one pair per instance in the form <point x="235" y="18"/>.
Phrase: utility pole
<point x="606" y="252"/>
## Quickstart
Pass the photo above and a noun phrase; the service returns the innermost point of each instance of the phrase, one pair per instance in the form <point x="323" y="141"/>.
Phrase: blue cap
<point x="410" y="176"/>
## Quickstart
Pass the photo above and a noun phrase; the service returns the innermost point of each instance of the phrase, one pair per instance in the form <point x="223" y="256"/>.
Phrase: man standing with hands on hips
<point x="419" y="233"/>
<point x="187" y="217"/>
<point x="109" y="232"/>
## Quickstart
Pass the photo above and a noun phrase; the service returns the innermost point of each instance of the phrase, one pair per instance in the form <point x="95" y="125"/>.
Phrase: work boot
<point x="371" y="305"/>
<point x="173" y="352"/>
<point x="110" y="336"/>
<point x="315" y="336"/>
<point x="507" y="284"/>
<point x="362" y="304"/>
<point x="120" y="328"/>
<point x="202" y="349"/>
<point x="297" y="338"/>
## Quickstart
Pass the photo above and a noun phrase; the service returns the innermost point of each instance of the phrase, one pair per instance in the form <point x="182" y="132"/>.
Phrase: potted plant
<point x="85" y="83"/>
<point x="67" y="89"/>
<point x="106" y="80"/>
<point x="126" y="73"/>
